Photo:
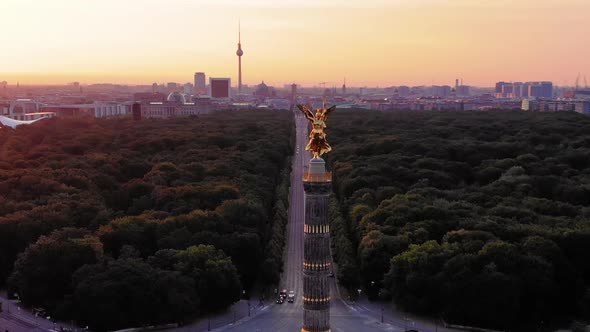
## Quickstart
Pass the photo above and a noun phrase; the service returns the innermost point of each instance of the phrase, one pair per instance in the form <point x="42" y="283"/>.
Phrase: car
<point x="331" y="275"/>
<point x="280" y="300"/>
<point x="39" y="312"/>
<point x="283" y="294"/>
<point x="291" y="297"/>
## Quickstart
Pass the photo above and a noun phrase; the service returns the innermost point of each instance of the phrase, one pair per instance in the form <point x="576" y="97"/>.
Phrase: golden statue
<point x="317" y="137"/>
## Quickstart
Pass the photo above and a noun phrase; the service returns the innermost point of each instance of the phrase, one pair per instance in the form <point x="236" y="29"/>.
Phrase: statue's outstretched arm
<point x="306" y="111"/>
<point x="329" y="110"/>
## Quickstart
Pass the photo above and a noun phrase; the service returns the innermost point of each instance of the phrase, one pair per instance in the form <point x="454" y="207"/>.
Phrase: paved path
<point x="15" y="318"/>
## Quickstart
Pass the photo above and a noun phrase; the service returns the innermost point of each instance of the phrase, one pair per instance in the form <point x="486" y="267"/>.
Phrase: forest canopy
<point x="480" y="218"/>
<point x="156" y="200"/>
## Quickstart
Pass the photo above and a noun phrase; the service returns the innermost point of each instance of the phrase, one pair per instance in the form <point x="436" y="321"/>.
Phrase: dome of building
<point x="177" y="97"/>
<point x="263" y="90"/>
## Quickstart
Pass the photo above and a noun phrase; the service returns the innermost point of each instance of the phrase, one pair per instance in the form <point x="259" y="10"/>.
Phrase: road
<point x="16" y="319"/>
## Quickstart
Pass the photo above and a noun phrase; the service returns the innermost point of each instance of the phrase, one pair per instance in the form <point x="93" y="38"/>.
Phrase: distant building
<point x="499" y="86"/>
<point x="177" y="97"/>
<point x="168" y="110"/>
<point x="136" y="111"/>
<point x="549" y="105"/>
<point x="527" y="105"/>
<point x="403" y="91"/>
<point x="171" y="86"/>
<point x="440" y="91"/>
<point x="583" y="107"/>
<point x="524" y="90"/>
<point x="188" y="88"/>
<point x="462" y="90"/>
<point x="507" y="90"/>
<point x="293" y="93"/>
<point x="219" y="87"/>
<point x="200" y="83"/>
<point x="264" y="91"/>
<point x="517" y="90"/>
<point x="111" y="109"/>
<point x="582" y="94"/>
<point x="149" y="97"/>
<point x="540" y="89"/>
<point x="17" y="109"/>
<point x="77" y="110"/>
<point x="38" y="115"/>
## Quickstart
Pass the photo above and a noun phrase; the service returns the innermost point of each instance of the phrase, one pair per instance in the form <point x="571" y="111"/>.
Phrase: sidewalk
<point x="17" y="316"/>
<point x="235" y="313"/>
<point x="389" y="313"/>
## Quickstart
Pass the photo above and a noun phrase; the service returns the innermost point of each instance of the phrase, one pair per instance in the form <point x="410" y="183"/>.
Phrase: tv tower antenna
<point x="239" y="53"/>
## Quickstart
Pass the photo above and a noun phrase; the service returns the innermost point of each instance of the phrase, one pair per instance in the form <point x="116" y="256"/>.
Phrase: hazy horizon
<point x="371" y="42"/>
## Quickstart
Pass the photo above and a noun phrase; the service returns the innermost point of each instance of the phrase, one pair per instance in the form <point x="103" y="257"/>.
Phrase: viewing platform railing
<point x="325" y="177"/>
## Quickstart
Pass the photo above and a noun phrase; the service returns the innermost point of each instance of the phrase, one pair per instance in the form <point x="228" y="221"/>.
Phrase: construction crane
<point x="577" y="86"/>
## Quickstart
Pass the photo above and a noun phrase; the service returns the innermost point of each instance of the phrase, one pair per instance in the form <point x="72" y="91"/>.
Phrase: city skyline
<point x="371" y="43"/>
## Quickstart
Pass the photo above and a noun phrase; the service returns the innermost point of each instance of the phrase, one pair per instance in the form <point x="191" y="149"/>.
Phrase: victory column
<point x="317" y="184"/>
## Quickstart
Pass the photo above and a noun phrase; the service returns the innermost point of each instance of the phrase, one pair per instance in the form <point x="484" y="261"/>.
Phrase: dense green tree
<point x="215" y="277"/>
<point x="504" y="195"/>
<point x="148" y="190"/>
<point x="375" y="251"/>
<point x="130" y="293"/>
<point x="43" y="272"/>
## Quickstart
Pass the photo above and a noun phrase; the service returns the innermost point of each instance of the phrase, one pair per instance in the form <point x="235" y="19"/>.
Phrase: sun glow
<point x="374" y="42"/>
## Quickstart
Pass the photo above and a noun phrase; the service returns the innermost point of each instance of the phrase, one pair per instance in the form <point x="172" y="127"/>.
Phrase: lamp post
<point x="248" y="308"/>
<point x="382" y="309"/>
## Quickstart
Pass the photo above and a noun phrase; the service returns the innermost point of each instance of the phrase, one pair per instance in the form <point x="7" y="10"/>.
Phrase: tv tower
<point x="239" y="53"/>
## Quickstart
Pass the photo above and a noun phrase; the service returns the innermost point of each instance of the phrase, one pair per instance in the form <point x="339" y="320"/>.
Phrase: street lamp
<point x="382" y="309"/>
<point x="248" y="308"/>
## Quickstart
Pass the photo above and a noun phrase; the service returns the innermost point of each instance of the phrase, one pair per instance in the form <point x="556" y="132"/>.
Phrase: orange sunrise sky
<point x="370" y="42"/>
